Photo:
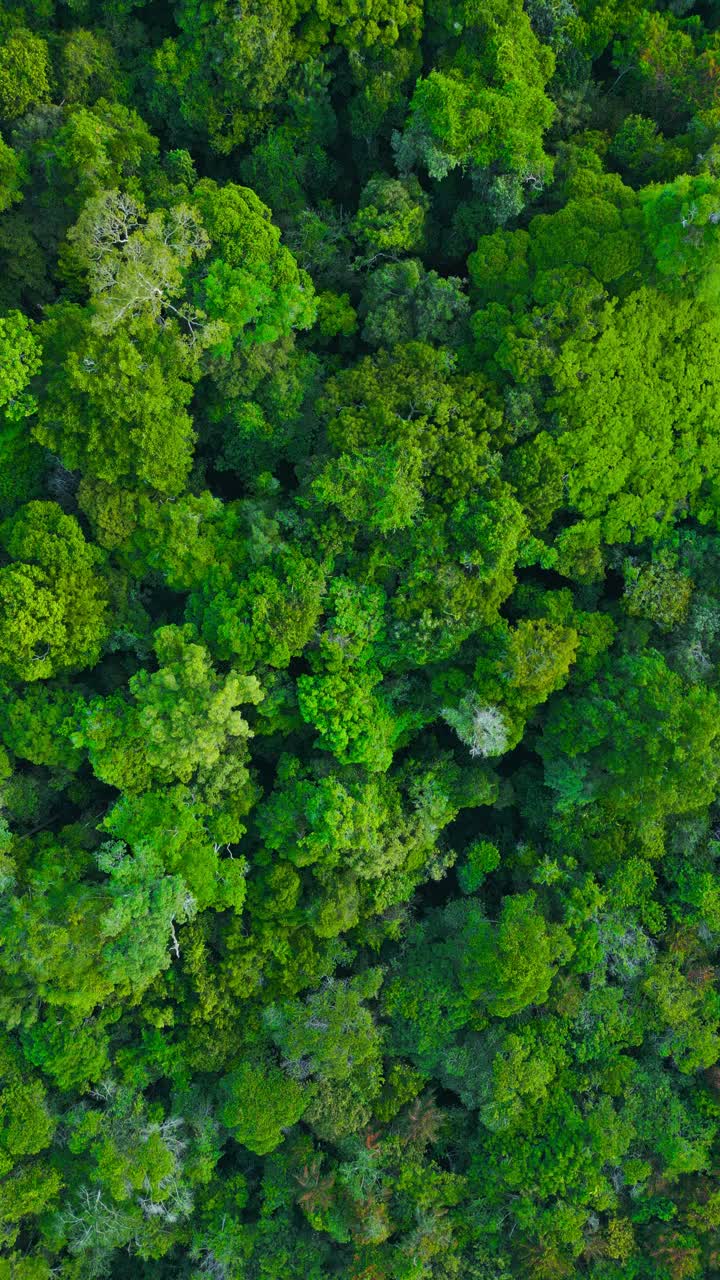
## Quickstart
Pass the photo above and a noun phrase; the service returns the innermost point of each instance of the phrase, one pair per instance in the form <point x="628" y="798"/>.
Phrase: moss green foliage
<point x="359" y="640"/>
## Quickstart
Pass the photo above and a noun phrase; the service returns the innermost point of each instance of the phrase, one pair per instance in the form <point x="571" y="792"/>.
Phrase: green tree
<point x="24" y="72"/>
<point x="490" y="970"/>
<point x="20" y="358"/>
<point x="11" y="176"/>
<point x="521" y="667"/>
<point x="174" y="723"/>
<point x="220" y="76"/>
<point x="258" y="1103"/>
<point x="266" y="617"/>
<point x="89" y="67"/>
<point x="137" y="928"/>
<point x="641" y="396"/>
<point x="485" y="108"/>
<point x="115" y="406"/>
<point x="185" y="829"/>
<point x="254" y="289"/>
<point x="391" y="217"/>
<point x="26" y="1124"/>
<point x="637" y="741"/>
<point x="332" y="1037"/>
<point x="682" y="221"/>
<point x="53" y="596"/>
<point x="103" y="148"/>
<point x="402" y="302"/>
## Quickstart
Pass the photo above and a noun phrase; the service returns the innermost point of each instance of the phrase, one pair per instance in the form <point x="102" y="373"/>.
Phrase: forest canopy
<point x="359" y="639"/>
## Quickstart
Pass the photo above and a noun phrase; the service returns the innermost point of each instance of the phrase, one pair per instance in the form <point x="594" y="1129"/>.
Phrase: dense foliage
<point x="359" y="639"/>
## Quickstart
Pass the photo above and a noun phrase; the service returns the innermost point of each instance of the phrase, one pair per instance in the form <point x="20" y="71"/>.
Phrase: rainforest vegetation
<point x="359" y="639"/>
